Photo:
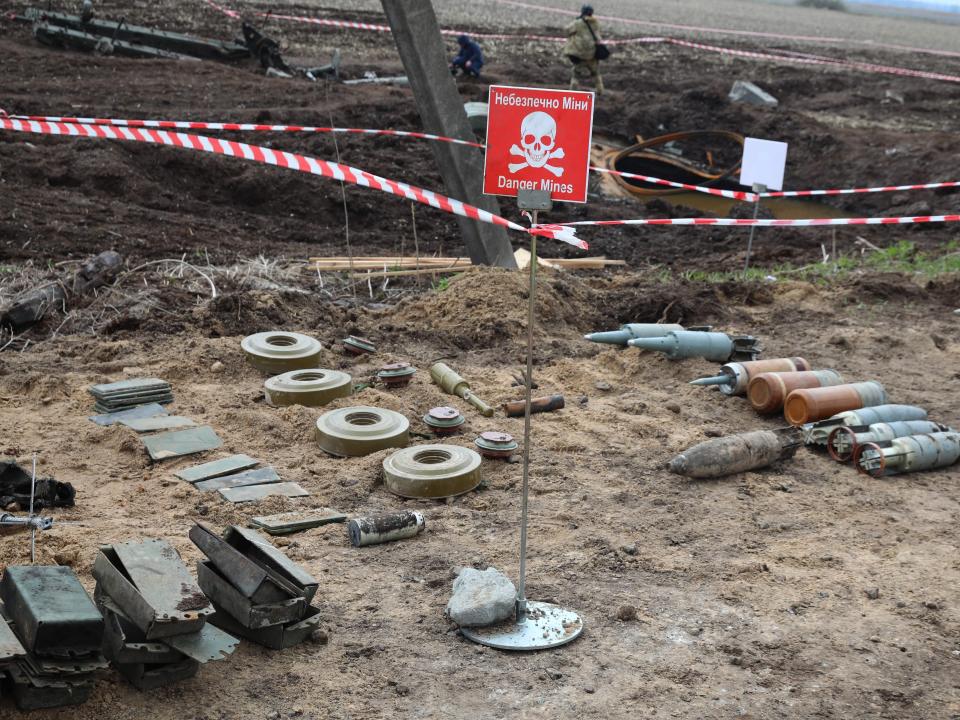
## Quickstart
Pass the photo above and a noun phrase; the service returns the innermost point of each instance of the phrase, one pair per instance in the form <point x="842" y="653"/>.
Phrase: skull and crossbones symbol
<point x="538" y="136"/>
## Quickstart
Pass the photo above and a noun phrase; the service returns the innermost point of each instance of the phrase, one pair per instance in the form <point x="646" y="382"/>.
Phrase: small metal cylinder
<point x="547" y="403"/>
<point x="908" y="454"/>
<point x="742" y="373"/>
<point x="768" y="390"/>
<point x="812" y="404"/>
<point x="444" y="420"/>
<point x="385" y="527"/>
<point x="396" y="374"/>
<point x="498" y="445"/>
<point x="358" y="346"/>
<point x="844" y="440"/>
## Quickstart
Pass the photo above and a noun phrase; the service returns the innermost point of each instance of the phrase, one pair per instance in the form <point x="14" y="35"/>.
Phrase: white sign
<point x="763" y="163"/>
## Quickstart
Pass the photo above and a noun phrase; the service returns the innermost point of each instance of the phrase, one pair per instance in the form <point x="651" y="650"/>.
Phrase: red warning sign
<point x="538" y="139"/>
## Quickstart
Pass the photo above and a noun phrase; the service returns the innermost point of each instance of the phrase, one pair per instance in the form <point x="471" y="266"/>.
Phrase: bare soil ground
<point x="750" y="590"/>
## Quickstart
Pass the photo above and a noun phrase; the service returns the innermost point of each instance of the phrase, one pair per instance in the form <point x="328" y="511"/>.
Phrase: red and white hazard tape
<point x="742" y="195"/>
<point x="748" y="222"/>
<point x="853" y="191"/>
<point x="243" y="127"/>
<point x="292" y="161"/>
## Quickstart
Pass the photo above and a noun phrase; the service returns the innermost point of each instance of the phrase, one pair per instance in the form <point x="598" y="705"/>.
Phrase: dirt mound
<point x="486" y="307"/>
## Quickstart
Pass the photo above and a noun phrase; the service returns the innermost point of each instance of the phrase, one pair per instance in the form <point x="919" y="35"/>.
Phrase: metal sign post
<point x="757" y="188"/>
<point x="537" y="625"/>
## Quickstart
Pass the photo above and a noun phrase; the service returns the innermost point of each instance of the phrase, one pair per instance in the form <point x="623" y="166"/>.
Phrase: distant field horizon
<point x="945" y="6"/>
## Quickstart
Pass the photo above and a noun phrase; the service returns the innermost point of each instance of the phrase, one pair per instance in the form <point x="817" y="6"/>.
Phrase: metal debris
<point x="547" y="403"/>
<point x="746" y="92"/>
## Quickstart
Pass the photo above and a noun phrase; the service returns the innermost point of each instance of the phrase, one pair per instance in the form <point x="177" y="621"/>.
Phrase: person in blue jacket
<point x="470" y="59"/>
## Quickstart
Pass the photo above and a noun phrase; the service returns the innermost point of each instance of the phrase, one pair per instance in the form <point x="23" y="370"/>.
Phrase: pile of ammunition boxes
<point x="155" y="614"/>
<point x="258" y="593"/>
<point x="51" y="647"/>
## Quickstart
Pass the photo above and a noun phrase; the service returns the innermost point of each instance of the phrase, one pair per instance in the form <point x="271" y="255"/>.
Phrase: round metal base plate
<point x="545" y="626"/>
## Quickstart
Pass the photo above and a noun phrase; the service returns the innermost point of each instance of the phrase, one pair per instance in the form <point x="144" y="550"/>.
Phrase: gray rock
<point x="747" y="92"/>
<point x="481" y="598"/>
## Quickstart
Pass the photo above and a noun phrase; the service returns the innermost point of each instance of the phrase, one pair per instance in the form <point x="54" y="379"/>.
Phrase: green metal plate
<point x="291" y="522"/>
<point x="164" y="422"/>
<point x="259" y="492"/>
<point x="181" y="442"/>
<point x="216" y="468"/>
<point x="259" y="476"/>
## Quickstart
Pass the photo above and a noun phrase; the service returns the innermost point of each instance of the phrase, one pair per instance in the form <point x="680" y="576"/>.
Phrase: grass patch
<point x="901" y="257"/>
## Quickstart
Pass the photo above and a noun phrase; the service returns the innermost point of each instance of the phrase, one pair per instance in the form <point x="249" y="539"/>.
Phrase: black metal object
<point x="15" y="485"/>
<point x="264" y="49"/>
<point x="131" y="39"/>
<point x="50" y="611"/>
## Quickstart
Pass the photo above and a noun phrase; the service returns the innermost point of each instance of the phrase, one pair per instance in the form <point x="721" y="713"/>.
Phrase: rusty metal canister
<point x="812" y="404"/>
<point x="385" y="527"/>
<point x="735" y="453"/>
<point x="769" y="390"/>
<point x="547" y="403"/>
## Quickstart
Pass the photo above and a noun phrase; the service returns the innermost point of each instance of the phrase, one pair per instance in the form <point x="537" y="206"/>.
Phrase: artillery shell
<point x="768" y="390"/>
<point x="812" y="404"/>
<point x="734" y="454"/>
<point x="907" y="454"/>
<point x="547" y="403"/>
<point x="385" y="527"/>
